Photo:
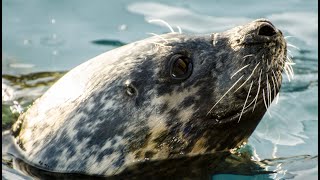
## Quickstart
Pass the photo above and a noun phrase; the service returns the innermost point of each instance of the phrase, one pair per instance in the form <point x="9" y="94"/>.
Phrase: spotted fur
<point x="87" y="123"/>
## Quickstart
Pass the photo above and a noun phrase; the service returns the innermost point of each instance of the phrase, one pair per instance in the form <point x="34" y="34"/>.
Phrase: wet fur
<point x="97" y="128"/>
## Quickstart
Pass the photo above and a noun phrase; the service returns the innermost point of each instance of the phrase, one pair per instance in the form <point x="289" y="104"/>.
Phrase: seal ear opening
<point x="130" y="89"/>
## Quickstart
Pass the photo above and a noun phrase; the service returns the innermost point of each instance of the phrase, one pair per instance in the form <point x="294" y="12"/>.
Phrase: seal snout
<point x="266" y="28"/>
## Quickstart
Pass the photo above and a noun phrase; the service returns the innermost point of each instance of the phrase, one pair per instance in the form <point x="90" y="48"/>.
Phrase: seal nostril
<point x="266" y="30"/>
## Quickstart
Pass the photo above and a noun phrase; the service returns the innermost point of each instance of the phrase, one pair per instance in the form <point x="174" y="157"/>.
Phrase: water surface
<point x="55" y="36"/>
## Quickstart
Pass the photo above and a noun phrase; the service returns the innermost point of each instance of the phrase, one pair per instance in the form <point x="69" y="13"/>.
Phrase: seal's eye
<point x="180" y="67"/>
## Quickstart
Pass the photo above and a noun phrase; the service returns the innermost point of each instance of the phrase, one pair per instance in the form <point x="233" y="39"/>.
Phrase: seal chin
<point x="233" y="117"/>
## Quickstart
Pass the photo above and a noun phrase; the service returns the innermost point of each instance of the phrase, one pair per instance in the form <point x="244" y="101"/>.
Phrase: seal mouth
<point x="261" y="40"/>
<point x="232" y="118"/>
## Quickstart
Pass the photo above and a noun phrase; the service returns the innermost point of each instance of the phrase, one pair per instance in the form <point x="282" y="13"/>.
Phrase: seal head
<point x="164" y="97"/>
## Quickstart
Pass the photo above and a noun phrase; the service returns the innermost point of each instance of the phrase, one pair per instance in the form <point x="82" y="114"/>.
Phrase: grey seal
<point x="165" y="97"/>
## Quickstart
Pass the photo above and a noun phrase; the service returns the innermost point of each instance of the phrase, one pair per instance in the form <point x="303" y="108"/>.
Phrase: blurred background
<point x="54" y="36"/>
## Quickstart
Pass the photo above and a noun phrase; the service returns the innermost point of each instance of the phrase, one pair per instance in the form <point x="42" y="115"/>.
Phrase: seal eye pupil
<point x="181" y="67"/>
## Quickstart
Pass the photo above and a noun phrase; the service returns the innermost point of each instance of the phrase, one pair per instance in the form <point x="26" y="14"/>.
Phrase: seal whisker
<point x="286" y="71"/>
<point x="268" y="92"/>
<point x="162" y="21"/>
<point x="286" y="37"/>
<point x="290" y="63"/>
<point x="157" y="35"/>
<point x="239" y="70"/>
<point x="250" y="103"/>
<point x="256" y="98"/>
<point x="289" y="59"/>
<point x="274" y="87"/>
<point x="289" y="70"/>
<point x="159" y="44"/>
<point x="224" y="94"/>
<point x="265" y="104"/>
<point x="289" y="52"/>
<point x="253" y="100"/>
<point x="245" y="101"/>
<point x="277" y="98"/>
<point x="291" y="45"/>
<point x="247" y="56"/>
<point x="179" y="29"/>
<point x="247" y="78"/>
<point x="162" y="38"/>
<point x="274" y="75"/>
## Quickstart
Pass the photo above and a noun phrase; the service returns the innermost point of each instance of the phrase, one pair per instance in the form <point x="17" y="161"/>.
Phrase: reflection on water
<point x="107" y="42"/>
<point x="201" y="167"/>
<point x="53" y="37"/>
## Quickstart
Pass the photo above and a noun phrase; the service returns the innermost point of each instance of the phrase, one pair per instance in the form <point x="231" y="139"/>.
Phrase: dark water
<point x="54" y="36"/>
